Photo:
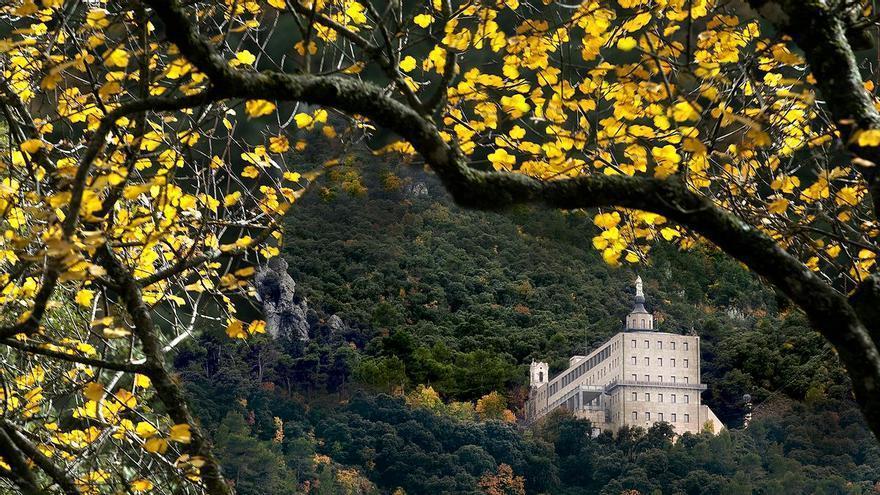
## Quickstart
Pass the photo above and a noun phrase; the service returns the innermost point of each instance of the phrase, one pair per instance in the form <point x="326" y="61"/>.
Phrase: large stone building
<point x="638" y="377"/>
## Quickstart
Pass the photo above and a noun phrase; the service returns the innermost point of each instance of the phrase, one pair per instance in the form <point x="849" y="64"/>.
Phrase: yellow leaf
<point x="142" y="381"/>
<point x="231" y="198"/>
<point x="156" y="445"/>
<point x="245" y="57"/>
<point x="502" y="160"/>
<point x="235" y="330"/>
<point x="180" y="433"/>
<point x="848" y="196"/>
<point x="150" y="141"/>
<point x="141" y="485"/>
<point x="516" y="106"/>
<point x="258" y="108"/>
<point x="778" y="206"/>
<point x="611" y="256"/>
<point x="423" y="20"/>
<point x="517" y="132"/>
<point x="870" y="137"/>
<point x="256" y="326"/>
<point x="278" y="144"/>
<point x="93" y="391"/>
<point x="250" y="172"/>
<point x="31" y="146"/>
<point x="669" y="233"/>
<point x="833" y="251"/>
<point x="145" y="430"/>
<point x="683" y="111"/>
<point x="303" y="120"/>
<point x="607" y="220"/>
<point x="84" y="297"/>
<point x="627" y="43"/>
<point x="408" y="63"/>
<point x="117" y="58"/>
<point x="115" y="332"/>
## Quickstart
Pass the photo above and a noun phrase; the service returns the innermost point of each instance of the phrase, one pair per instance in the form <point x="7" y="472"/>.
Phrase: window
<point x="541" y="376"/>
<point x="647" y="344"/>
<point x="685" y="379"/>
<point x="672" y="378"/>
<point x="647" y="397"/>
<point x="674" y="419"/>
<point x="636" y="416"/>
<point x="659" y="416"/>
<point x="633" y="360"/>
<point x="659" y="397"/>
<point x="633" y="343"/>
<point x="647" y="416"/>
<point x="672" y="398"/>
<point x="672" y="345"/>
<point x="643" y="323"/>
<point x="687" y="418"/>
<point x="672" y="362"/>
<point x="647" y="378"/>
<point x="659" y="344"/>
<point x="635" y="397"/>
<point x="647" y="361"/>
<point x="660" y="362"/>
<point x="685" y="363"/>
<point x="687" y="399"/>
<point x="685" y="346"/>
<point x="660" y="378"/>
<point x="634" y="377"/>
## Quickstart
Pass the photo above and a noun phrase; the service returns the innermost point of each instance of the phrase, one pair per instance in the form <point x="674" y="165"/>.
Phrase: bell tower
<point x="639" y="319"/>
<point x="538" y="374"/>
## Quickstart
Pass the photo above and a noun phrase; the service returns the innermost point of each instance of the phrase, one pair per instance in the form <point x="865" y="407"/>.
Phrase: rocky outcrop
<point x="416" y="190"/>
<point x="287" y="314"/>
<point x="335" y="324"/>
<point x="283" y="310"/>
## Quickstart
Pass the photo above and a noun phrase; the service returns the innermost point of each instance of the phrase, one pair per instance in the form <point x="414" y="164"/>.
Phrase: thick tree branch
<point x="73" y="358"/>
<point x="827" y="309"/>
<point x="44" y="463"/>
<point x="168" y="391"/>
<point x="21" y="473"/>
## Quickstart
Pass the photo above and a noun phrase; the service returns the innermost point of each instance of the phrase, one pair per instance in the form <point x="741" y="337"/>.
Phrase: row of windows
<point x="673" y="417"/>
<point x="685" y="362"/>
<point x="659" y="344"/>
<point x="659" y="379"/>
<point x="672" y="398"/>
<point x="582" y="368"/>
<point x="645" y="324"/>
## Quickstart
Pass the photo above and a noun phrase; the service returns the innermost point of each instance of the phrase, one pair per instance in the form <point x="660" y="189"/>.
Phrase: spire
<point x="640" y="296"/>
<point x="639" y="318"/>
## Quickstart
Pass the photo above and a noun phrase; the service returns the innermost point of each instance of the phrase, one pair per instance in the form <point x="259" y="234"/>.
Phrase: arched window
<point x="643" y="323"/>
<point x="540" y="376"/>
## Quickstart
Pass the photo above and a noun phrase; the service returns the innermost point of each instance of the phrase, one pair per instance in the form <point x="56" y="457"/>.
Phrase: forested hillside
<point x="461" y="302"/>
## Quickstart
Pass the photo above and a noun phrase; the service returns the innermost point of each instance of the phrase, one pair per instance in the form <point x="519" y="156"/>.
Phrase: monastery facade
<point x="638" y="377"/>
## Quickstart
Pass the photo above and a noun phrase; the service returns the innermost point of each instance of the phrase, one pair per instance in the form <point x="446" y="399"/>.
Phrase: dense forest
<point x="444" y="310"/>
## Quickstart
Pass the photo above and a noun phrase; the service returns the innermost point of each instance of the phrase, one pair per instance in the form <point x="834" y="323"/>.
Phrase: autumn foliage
<point x="154" y="144"/>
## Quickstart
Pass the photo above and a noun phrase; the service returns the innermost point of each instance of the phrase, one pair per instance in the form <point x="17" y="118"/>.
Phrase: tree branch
<point x="827" y="309"/>
<point x="167" y="390"/>
<point x="44" y="463"/>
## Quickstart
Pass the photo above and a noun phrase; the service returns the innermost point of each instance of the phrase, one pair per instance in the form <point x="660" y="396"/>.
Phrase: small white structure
<point x="639" y="377"/>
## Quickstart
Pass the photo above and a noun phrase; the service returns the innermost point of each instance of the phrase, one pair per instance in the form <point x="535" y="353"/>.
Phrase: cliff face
<point x="287" y="314"/>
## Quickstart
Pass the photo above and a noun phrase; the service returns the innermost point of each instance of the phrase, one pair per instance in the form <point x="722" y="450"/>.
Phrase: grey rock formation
<point x="285" y="313"/>
<point x="416" y="190"/>
<point x="335" y="323"/>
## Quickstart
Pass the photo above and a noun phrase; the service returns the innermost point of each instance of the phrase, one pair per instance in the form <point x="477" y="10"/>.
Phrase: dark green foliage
<point x="463" y="301"/>
<point x="467" y="299"/>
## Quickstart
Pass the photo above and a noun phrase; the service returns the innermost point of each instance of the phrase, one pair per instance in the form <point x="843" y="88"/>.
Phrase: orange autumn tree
<point x="154" y="144"/>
